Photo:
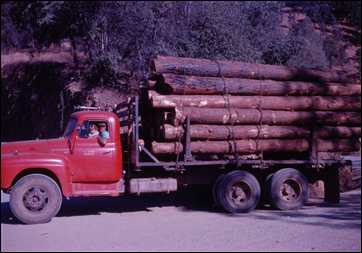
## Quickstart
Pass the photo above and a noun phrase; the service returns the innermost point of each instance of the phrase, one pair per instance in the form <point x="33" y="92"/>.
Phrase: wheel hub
<point x="290" y="190"/>
<point x="35" y="199"/>
<point x="239" y="193"/>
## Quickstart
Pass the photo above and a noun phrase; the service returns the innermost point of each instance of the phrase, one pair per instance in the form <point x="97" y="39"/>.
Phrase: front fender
<point x="14" y="164"/>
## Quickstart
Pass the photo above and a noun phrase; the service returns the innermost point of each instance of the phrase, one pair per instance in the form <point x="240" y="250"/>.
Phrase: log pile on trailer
<point x="239" y="108"/>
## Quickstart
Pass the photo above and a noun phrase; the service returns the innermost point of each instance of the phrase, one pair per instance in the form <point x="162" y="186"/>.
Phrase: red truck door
<point x="91" y="161"/>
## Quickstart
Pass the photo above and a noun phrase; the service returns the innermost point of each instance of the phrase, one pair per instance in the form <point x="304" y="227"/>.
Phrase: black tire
<point x="264" y="199"/>
<point x="35" y="199"/>
<point x="238" y="192"/>
<point x="288" y="189"/>
<point x="268" y="179"/>
<point x="215" y="189"/>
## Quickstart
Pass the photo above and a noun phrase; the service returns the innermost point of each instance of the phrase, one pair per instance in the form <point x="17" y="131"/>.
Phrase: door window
<point x="93" y="129"/>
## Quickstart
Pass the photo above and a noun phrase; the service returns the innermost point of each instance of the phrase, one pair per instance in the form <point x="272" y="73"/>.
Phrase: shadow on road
<point x="197" y="199"/>
<point x="347" y="214"/>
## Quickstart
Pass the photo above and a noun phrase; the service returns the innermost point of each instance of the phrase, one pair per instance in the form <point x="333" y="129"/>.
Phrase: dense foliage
<point x="133" y="32"/>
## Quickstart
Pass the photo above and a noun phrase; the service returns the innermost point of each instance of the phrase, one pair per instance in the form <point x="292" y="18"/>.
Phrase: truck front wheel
<point x="288" y="189"/>
<point x="238" y="192"/>
<point x="35" y="199"/>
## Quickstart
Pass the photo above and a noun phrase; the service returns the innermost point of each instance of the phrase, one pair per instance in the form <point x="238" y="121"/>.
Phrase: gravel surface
<point x="185" y="222"/>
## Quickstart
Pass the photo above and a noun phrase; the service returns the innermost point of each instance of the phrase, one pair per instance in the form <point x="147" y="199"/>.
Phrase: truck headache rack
<point x="86" y="108"/>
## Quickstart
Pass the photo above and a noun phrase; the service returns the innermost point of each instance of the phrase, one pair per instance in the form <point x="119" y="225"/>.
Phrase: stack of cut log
<point x="245" y="108"/>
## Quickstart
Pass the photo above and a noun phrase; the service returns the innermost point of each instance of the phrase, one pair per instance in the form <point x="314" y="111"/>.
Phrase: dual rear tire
<point x="237" y="192"/>
<point x="240" y="191"/>
<point x="287" y="189"/>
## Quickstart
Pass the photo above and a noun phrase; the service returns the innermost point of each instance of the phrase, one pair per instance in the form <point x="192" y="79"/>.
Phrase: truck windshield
<point x="70" y="127"/>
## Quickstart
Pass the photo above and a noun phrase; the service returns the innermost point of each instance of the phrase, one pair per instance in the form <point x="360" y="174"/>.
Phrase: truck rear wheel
<point x="238" y="192"/>
<point x="215" y="189"/>
<point x="288" y="189"/>
<point x="35" y="199"/>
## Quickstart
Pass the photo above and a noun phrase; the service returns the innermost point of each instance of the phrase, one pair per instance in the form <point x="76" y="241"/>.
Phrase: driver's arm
<point x="102" y="138"/>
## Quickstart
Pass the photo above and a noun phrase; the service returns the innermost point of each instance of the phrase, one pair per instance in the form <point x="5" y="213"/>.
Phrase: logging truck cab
<point x="39" y="173"/>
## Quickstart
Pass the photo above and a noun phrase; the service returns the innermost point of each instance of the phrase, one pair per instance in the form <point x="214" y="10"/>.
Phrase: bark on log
<point x="322" y="103"/>
<point x="329" y="156"/>
<point x="338" y="132"/>
<point x="338" y="145"/>
<point x="45" y="56"/>
<point x="255" y="146"/>
<point x="205" y="67"/>
<point x="268" y="117"/>
<point x="192" y="85"/>
<point x="227" y="147"/>
<point x="220" y="132"/>
<point x="162" y="148"/>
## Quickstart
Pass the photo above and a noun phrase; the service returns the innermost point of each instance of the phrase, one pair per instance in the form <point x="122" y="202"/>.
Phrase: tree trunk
<point x="204" y="67"/>
<point x="46" y="56"/>
<point x="220" y="132"/>
<point x="268" y="117"/>
<point x="330" y="156"/>
<point x="255" y="146"/>
<point x="322" y="103"/>
<point x="189" y="85"/>
<point x="338" y="132"/>
<point x="162" y="148"/>
<point x="338" y="145"/>
<point x="227" y="147"/>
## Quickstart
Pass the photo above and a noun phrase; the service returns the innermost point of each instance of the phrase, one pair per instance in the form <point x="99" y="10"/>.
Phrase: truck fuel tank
<point x="148" y="185"/>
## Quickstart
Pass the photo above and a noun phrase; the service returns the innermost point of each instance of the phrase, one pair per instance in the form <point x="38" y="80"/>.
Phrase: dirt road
<point x="185" y="222"/>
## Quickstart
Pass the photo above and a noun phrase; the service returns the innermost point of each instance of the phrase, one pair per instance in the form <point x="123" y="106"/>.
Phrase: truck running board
<point x="148" y="185"/>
